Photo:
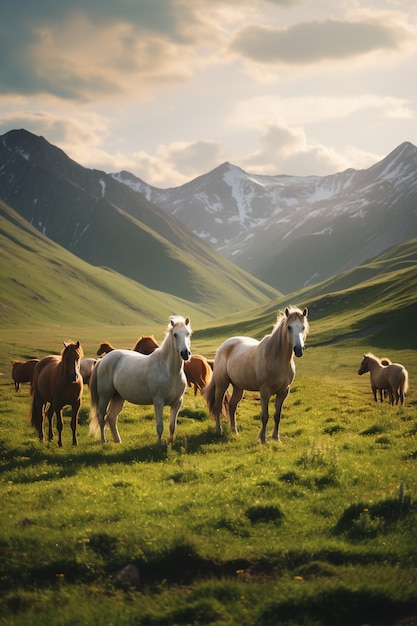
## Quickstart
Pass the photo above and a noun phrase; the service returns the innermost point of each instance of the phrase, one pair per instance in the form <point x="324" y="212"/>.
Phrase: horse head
<point x="364" y="366"/>
<point x="297" y="326"/>
<point x="181" y="332"/>
<point x="71" y="357"/>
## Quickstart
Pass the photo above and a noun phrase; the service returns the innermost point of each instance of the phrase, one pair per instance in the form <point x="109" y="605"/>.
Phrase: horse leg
<point x="158" y="406"/>
<point x="50" y="415"/>
<point x="173" y="418"/>
<point x="220" y="390"/>
<point x="279" y="401"/>
<point x="235" y="398"/>
<point x="265" y="395"/>
<point x="74" y="421"/>
<point x="114" y="408"/>
<point x="59" y="425"/>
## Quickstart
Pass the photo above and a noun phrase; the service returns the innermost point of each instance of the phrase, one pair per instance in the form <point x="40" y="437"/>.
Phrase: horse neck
<point x="374" y="364"/>
<point x="168" y="352"/>
<point x="279" y="344"/>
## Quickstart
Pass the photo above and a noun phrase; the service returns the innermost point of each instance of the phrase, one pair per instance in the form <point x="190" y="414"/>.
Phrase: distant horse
<point x="266" y="366"/>
<point x="57" y="381"/>
<point x="157" y="379"/>
<point x="22" y="372"/>
<point x="105" y="348"/>
<point x="146" y="344"/>
<point x="393" y="377"/>
<point x="86" y="369"/>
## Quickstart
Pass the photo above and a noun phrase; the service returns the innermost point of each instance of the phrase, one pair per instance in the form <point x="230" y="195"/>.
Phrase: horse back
<point x="22" y="371"/>
<point x="198" y="371"/>
<point x="398" y="376"/>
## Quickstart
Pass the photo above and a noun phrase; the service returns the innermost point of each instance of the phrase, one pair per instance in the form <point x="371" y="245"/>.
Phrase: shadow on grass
<point x="56" y="463"/>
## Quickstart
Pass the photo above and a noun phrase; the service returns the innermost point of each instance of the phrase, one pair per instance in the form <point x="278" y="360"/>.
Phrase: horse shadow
<point x="47" y="462"/>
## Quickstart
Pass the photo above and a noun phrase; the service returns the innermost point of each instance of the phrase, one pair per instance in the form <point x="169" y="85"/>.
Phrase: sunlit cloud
<point x="307" y="43"/>
<point x="311" y="109"/>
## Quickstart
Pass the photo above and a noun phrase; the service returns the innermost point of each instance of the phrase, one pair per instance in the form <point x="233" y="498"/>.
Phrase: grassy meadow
<point x="320" y="529"/>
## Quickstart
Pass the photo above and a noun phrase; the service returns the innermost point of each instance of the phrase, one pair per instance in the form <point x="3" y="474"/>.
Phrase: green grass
<point x="318" y="530"/>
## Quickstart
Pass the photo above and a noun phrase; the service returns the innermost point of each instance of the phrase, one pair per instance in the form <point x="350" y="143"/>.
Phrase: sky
<point x="170" y="89"/>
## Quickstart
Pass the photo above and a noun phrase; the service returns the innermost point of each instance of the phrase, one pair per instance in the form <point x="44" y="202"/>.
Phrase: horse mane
<point x="271" y="344"/>
<point x="371" y="355"/>
<point x="77" y="345"/>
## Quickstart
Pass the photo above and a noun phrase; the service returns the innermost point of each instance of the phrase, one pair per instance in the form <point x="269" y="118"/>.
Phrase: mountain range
<point x="292" y="231"/>
<point x="227" y="240"/>
<point x="107" y="224"/>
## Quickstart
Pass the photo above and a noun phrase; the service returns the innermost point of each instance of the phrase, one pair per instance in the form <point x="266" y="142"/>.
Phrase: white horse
<point x="86" y="369"/>
<point x="157" y="379"/>
<point x="266" y="366"/>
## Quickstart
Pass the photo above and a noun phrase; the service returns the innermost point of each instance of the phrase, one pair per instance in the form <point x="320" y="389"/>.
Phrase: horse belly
<point x="241" y="368"/>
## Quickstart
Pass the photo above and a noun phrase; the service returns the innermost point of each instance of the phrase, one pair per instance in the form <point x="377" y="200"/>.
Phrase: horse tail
<point x="94" y="424"/>
<point x="209" y="393"/>
<point x="36" y="413"/>
<point x="404" y="381"/>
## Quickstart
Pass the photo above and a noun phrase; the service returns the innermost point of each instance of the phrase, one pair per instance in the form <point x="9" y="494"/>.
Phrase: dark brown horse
<point x="105" y="348"/>
<point x="392" y="377"/>
<point x="57" y="381"/>
<point x="22" y="372"/>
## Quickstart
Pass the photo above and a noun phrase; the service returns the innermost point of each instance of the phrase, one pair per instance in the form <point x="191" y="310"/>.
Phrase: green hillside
<point x="42" y="283"/>
<point x="375" y="303"/>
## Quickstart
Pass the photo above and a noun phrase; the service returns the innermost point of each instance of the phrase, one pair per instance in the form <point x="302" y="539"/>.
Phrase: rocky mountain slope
<point x="292" y="231"/>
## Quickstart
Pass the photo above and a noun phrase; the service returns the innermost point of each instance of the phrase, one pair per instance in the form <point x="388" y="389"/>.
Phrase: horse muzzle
<point x="299" y="351"/>
<point x="185" y="355"/>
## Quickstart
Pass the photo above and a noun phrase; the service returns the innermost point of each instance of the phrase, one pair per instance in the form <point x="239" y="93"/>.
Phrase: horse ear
<point x="65" y="344"/>
<point x="187" y="321"/>
<point x="77" y="345"/>
<point x="172" y="323"/>
<point x="305" y="312"/>
<point x="287" y="312"/>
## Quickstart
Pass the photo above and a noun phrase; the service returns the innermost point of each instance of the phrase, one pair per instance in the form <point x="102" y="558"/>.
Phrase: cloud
<point x="84" y="50"/>
<point x="307" y="43"/>
<point x="309" y="109"/>
<point x="285" y="150"/>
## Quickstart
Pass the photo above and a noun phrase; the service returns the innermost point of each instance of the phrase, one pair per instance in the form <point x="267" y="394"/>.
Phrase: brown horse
<point x="146" y="344"/>
<point x="57" y="381"/>
<point x="22" y="372"/>
<point x="266" y="366"/>
<point x="393" y="377"/>
<point x="105" y="348"/>
<point x="198" y="372"/>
